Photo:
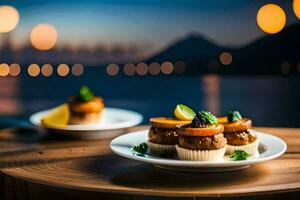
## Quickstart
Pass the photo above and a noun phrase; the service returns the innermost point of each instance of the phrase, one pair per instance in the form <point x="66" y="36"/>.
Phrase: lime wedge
<point x="183" y="112"/>
<point x="57" y="117"/>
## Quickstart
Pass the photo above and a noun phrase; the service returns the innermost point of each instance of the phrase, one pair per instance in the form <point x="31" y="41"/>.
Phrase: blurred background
<point x="149" y="55"/>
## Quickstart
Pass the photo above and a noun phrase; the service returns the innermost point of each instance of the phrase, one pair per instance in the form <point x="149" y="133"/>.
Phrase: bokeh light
<point x="129" y="69"/>
<point x="77" y="69"/>
<point x="47" y="70"/>
<point x="296" y="8"/>
<point x="179" y="67"/>
<point x="167" y="67"/>
<point x="9" y="18"/>
<point x="226" y="58"/>
<point x="43" y="37"/>
<point x="154" y="68"/>
<point x="33" y="70"/>
<point x="4" y="69"/>
<point x="142" y="69"/>
<point x="285" y="67"/>
<point x="271" y="18"/>
<point x="14" y="69"/>
<point x="63" y="70"/>
<point x="112" y="69"/>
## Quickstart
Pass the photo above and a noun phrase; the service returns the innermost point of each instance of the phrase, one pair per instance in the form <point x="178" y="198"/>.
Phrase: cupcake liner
<point x="200" y="155"/>
<point x="249" y="148"/>
<point x="161" y="149"/>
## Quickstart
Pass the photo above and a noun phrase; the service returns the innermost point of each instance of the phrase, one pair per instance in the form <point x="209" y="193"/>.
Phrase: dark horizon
<point x="188" y="49"/>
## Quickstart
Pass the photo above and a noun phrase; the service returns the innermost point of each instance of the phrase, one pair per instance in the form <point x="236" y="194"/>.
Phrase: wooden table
<point x="35" y="167"/>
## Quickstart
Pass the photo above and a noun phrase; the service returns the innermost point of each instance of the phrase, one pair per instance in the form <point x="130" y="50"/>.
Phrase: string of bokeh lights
<point x="129" y="69"/>
<point x="45" y="70"/>
<point x="143" y="69"/>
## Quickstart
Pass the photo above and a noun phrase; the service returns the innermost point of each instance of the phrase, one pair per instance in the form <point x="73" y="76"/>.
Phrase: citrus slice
<point x="183" y="112"/>
<point x="238" y="126"/>
<point x="207" y="131"/>
<point x="57" y="117"/>
<point x="164" y="122"/>
<point x="222" y="120"/>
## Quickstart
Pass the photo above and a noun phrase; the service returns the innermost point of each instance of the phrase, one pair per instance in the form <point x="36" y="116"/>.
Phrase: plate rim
<point x="138" y="118"/>
<point x="198" y="164"/>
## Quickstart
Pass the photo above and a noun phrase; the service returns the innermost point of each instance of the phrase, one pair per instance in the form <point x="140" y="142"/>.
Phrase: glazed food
<point x="239" y="133"/>
<point x="162" y="136"/>
<point x="201" y="140"/>
<point x="85" y="108"/>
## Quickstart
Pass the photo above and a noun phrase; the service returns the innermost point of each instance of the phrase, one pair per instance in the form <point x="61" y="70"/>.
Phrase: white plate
<point x="112" y="119"/>
<point x="270" y="147"/>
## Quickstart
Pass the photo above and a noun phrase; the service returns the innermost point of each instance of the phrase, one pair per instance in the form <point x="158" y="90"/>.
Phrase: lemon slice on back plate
<point x="57" y="117"/>
<point x="183" y="112"/>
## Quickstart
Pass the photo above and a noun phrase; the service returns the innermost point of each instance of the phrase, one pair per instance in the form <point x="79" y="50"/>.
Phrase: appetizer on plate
<point x="162" y="136"/>
<point x="202" y="139"/>
<point x="85" y="108"/>
<point x="239" y="133"/>
<point x="133" y="146"/>
<point x="199" y="137"/>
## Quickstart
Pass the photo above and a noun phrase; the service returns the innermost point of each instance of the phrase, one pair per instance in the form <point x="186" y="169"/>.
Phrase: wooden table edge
<point x="145" y="192"/>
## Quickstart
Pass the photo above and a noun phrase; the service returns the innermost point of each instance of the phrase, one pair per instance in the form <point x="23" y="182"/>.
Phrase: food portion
<point x="162" y="136"/>
<point x="214" y="142"/>
<point x="202" y="139"/>
<point x="239" y="133"/>
<point x="241" y="138"/>
<point x="58" y="117"/>
<point x="202" y="136"/>
<point x="84" y="108"/>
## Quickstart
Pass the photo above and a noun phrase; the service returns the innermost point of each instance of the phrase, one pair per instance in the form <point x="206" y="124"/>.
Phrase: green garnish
<point x="234" y="115"/>
<point x="140" y="148"/>
<point x="85" y="94"/>
<point x="239" y="155"/>
<point x="204" y="118"/>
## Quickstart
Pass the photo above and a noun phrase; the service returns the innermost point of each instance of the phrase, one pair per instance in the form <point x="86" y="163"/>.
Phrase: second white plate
<point x="270" y="147"/>
<point x="113" y="121"/>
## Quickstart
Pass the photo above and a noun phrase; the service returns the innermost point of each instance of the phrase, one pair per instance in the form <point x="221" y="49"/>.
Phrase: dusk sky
<point x="151" y="24"/>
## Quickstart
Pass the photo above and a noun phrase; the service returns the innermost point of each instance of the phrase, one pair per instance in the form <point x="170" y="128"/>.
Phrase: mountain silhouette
<point x="267" y="54"/>
<point x="191" y="48"/>
<point x="263" y="56"/>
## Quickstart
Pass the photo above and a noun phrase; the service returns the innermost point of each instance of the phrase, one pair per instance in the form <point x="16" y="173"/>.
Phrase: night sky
<point x="151" y="24"/>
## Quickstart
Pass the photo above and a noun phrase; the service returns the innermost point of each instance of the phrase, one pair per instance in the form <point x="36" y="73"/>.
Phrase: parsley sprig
<point x="234" y="116"/>
<point x="140" y="148"/>
<point x="239" y="155"/>
<point x="85" y="94"/>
